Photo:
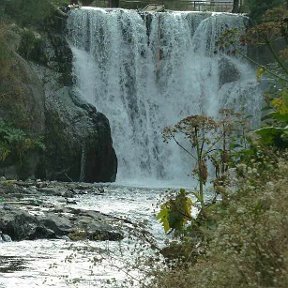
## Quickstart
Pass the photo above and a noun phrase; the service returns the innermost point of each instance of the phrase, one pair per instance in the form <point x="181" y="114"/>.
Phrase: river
<point x="65" y="263"/>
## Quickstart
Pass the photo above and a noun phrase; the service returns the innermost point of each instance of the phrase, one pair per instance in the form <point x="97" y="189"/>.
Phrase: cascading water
<point x="145" y="72"/>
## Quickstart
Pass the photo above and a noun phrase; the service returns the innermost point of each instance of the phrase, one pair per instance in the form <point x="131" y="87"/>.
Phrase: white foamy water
<point x="145" y="72"/>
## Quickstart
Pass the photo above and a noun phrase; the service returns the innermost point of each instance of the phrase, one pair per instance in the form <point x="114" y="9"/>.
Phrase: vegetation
<point x="246" y="247"/>
<point x="257" y="8"/>
<point x="15" y="143"/>
<point x="31" y="12"/>
<point x="17" y="140"/>
<point x="239" y="239"/>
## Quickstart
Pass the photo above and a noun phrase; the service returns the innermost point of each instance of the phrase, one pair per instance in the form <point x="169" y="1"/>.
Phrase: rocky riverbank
<point x="32" y="210"/>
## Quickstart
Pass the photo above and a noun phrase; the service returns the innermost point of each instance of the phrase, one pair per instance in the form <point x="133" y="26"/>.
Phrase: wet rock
<point x="227" y="72"/>
<point x="42" y="232"/>
<point x="71" y="201"/>
<point x="50" y="191"/>
<point x="34" y="216"/>
<point x="10" y="264"/>
<point x="57" y="223"/>
<point x="6" y="238"/>
<point x="79" y="143"/>
<point x="41" y="184"/>
<point x="68" y="194"/>
<point x="60" y="224"/>
<point x="17" y="223"/>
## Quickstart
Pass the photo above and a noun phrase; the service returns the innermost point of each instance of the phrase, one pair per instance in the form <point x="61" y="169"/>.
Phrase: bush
<point x="257" y="8"/>
<point x="32" y="12"/>
<point x="15" y="144"/>
<point x="248" y="247"/>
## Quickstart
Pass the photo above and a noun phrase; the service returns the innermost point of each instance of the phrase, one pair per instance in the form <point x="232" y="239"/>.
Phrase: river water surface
<point x="65" y="263"/>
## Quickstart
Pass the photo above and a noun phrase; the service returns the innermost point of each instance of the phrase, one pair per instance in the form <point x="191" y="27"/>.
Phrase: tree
<point x="257" y="8"/>
<point x="235" y="8"/>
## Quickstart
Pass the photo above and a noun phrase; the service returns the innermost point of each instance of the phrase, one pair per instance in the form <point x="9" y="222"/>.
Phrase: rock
<point x="41" y="232"/>
<point x="41" y="184"/>
<point x="79" y="143"/>
<point x="39" y="99"/>
<point x="77" y="224"/>
<point x="71" y="201"/>
<point x="6" y="238"/>
<point x="17" y="223"/>
<point x="227" y="72"/>
<point x="65" y="238"/>
<point x="68" y="194"/>
<point x="23" y="105"/>
<point x="50" y="191"/>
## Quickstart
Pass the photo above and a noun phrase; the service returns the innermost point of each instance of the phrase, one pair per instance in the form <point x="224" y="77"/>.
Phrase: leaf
<point x="175" y="213"/>
<point x="259" y="73"/>
<point x="4" y="151"/>
<point x="273" y="136"/>
<point x="281" y="117"/>
<point x="163" y="216"/>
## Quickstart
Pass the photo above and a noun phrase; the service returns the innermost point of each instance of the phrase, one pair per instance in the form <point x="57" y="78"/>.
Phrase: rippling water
<point x="61" y="263"/>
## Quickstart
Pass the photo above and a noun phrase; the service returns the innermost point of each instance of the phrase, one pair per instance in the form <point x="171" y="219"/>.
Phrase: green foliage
<point x="248" y="245"/>
<point x="14" y="144"/>
<point x="243" y="238"/>
<point x="257" y="8"/>
<point x="32" y="12"/>
<point x="275" y="136"/>
<point x="275" y="130"/>
<point x="176" y="212"/>
<point x="61" y="2"/>
<point x="31" y="46"/>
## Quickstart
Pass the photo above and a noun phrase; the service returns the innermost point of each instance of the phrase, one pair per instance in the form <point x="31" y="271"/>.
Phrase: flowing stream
<point x="144" y="72"/>
<point x="65" y="263"/>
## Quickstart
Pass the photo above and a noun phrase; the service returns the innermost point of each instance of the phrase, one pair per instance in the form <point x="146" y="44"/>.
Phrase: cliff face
<point x="39" y="99"/>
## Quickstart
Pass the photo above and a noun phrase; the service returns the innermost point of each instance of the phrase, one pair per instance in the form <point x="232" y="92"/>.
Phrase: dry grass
<point x="249" y="246"/>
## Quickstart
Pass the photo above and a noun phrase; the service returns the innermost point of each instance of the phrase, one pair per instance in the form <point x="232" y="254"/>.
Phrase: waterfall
<point x="145" y="72"/>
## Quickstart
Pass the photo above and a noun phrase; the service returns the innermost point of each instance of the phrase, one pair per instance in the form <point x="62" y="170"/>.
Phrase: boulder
<point x="77" y="224"/>
<point x="78" y="140"/>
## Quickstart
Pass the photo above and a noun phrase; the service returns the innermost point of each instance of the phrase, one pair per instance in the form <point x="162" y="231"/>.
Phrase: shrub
<point x="15" y="143"/>
<point x="32" y="12"/>
<point x="248" y="247"/>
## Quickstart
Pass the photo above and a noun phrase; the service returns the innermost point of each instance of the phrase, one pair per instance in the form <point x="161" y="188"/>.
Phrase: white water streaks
<point x="148" y="71"/>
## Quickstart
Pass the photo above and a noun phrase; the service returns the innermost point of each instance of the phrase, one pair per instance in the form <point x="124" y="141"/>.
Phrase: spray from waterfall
<point x="145" y="72"/>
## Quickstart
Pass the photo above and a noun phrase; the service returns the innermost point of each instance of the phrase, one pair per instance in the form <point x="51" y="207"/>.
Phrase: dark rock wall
<point x="77" y="137"/>
<point x="79" y="144"/>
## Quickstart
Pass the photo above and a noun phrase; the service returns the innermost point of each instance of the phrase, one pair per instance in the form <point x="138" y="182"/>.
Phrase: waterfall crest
<point x="145" y="72"/>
